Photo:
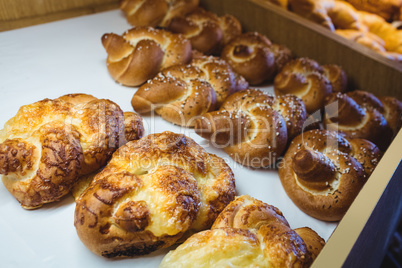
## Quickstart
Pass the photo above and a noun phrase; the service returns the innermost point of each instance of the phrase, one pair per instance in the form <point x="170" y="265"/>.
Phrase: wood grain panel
<point x="21" y="13"/>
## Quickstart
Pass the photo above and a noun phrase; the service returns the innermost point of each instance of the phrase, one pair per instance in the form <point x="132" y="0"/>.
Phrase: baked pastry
<point x="322" y="172"/>
<point x="207" y="32"/>
<point x="48" y="144"/>
<point x="152" y="192"/>
<point x="386" y="31"/>
<point x="248" y="233"/>
<point x="367" y="39"/>
<point x="181" y="93"/>
<point x="141" y="52"/>
<point x="253" y="127"/>
<point x="337" y="77"/>
<point x="314" y="10"/>
<point x="306" y="79"/>
<point x="358" y="114"/>
<point x="388" y="9"/>
<point x="155" y="12"/>
<point x="253" y="56"/>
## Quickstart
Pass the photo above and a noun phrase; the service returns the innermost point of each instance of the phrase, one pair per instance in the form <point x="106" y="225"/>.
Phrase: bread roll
<point x="253" y="127"/>
<point x="306" y="79"/>
<point x="388" y="9"/>
<point x="181" y="93"/>
<point x="141" y="52"/>
<point x="207" y="32"/>
<point x="152" y="192"/>
<point x="155" y="12"/>
<point x="322" y="172"/>
<point x="358" y="114"/>
<point x="253" y="56"/>
<point x="48" y="144"/>
<point x="248" y="233"/>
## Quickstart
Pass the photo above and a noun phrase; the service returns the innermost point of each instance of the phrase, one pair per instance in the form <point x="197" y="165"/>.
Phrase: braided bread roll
<point x="309" y="81"/>
<point x="141" y="52"/>
<point x="248" y="233"/>
<point x="152" y="192"/>
<point x="48" y="144"/>
<point x="155" y="12"/>
<point x="322" y="172"/>
<point x="253" y="56"/>
<point x="253" y="127"/>
<point x="207" y="32"/>
<point x="181" y="93"/>
<point x="359" y="114"/>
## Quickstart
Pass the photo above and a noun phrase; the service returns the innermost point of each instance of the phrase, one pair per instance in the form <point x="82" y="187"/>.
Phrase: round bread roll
<point x="253" y="56"/>
<point x="48" y="144"/>
<point x="182" y="93"/>
<point x="358" y="114"/>
<point x="141" y="52"/>
<point x="207" y="32"/>
<point x="248" y="233"/>
<point x="152" y="192"/>
<point x="322" y="172"/>
<point x="253" y="127"/>
<point x="306" y="79"/>
<point x="155" y="12"/>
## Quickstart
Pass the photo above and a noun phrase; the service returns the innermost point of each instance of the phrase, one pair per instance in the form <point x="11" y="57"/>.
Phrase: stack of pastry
<point x="369" y="29"/>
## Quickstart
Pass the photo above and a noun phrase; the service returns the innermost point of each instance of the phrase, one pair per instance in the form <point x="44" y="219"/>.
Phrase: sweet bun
<point x="322" y="172"/>
<point x="306" y="79"/>
<point x="181" y="93"/>
<point x="253" y="127"/>
<point x="152" y="192"/>
<point x="48" y="144"/>
<point x="358" y="114"/>
<point x="207" y="32"/>
<point x="141" y="52"/>
<point x="252" y="55"/>
<point x="248" y="233"/>
<point x="155" y="12"/>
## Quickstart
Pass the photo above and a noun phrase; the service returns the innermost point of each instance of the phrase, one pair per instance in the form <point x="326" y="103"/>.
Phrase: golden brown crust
<point x="248" y="233"/>
<point x="337" y="77"/>
<point x="358" y="114"/>
<point x="388" y="9"/>
<point x="181" y="93"/>
<point x="47" y="145"/>
<point x="251" y="55"/>
<point x="155" y="12"/>
<point x="141" y="52"/>
<point x="322" y="172"/>
<point x="253" y="127"/>
<point x="306" y="79"/>
<point x="152" y="191"/>
<point x="207" y="32"/>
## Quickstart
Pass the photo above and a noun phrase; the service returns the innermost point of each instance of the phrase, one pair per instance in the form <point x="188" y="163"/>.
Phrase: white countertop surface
<point x="50" y="60"/>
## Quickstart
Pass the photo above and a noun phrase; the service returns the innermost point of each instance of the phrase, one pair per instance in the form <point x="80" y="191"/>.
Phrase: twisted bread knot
<point x="181" y="93"/>
<point x="322" y="172"/>
<point x="310" y="81"/>
<point x="152" y="192"/>
<point x="141" y="52"/>
<point x="47" y="145"/>
<point x="155" y="12"/>
<point x="253" y="56"/>
<point x="253" y="127"/>
<point x="207" y="32"/>
<point x="360" y="114"/>
<point x="248" y="233"/>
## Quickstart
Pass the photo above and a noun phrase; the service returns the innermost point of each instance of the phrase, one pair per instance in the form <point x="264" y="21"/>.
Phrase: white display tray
<point x="58" y="58"/>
